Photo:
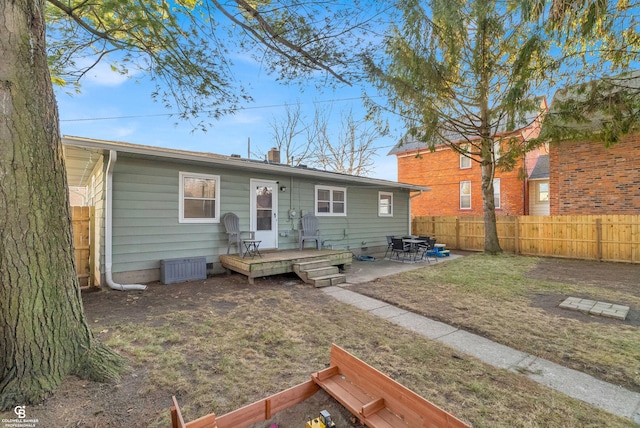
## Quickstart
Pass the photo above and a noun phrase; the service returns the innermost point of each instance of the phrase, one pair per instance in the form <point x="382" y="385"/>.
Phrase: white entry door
<point x="264" y="212"/>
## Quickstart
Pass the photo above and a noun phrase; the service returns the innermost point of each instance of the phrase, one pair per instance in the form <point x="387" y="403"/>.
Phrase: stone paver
<point x="592" y="307"/>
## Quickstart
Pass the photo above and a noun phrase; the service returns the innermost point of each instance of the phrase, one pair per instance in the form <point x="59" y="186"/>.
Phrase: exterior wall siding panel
<point x="146" y="226"/>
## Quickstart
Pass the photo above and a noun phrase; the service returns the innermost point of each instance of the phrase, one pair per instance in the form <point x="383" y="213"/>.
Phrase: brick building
<point x="455" y="179"/>
<point x="586" y="177"/>
<point x="589" y="178"/>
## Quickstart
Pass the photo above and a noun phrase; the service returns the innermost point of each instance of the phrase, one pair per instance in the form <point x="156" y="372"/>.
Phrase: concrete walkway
<point x="612" y="398"/>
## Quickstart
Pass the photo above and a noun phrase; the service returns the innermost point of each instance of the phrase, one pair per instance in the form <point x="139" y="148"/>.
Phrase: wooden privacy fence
<point x="614" y="238"/>
<point x="81" y="220"/>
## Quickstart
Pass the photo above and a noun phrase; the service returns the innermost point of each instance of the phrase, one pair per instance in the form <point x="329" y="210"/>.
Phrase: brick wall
<point x="440" y="170"/>
<point x="587" y="178"/>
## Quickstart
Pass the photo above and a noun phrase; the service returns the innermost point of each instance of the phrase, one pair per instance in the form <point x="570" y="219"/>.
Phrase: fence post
<point x="516" y="237"/>
<point x="457" y="233"/>
<point x="599" y="239"/>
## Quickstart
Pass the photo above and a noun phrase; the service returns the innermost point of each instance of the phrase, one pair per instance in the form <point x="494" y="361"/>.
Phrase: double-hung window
<point x="543" y="192"/>
<point x="496" y="151"/>
<point x="199" y="198"/>
<point x="465" y="195"/>
<point x="385" y="204"/>
<point x="465" y="160"/>
<point x="496" y="192"/>
<point x="331" y="201"/>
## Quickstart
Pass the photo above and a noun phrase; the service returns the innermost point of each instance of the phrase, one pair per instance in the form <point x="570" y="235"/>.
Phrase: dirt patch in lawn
<point x="206" y="381"/>
<point x="608" y="277"/>
<point x="623" y="277"/>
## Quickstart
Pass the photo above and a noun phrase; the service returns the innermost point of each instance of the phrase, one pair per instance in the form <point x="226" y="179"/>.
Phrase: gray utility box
<point x="181" y="270"/>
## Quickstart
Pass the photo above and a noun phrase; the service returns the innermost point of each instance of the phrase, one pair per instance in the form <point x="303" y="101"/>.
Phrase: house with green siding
<point x="153" y="204"/>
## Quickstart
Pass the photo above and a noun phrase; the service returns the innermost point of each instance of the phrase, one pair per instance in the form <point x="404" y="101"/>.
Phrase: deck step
<point x="322" y="271"/>
<point x="319" y="273"/>
<point x="313" y="264"/>
<point x="329" y="280"/>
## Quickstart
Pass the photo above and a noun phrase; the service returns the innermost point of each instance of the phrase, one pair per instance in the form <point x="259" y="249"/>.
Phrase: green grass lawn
<point x="496" y="297"/>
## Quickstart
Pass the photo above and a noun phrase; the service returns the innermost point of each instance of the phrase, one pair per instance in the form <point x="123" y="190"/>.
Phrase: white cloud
<point x="103" y="75"/>
<point x="123" y="131"/>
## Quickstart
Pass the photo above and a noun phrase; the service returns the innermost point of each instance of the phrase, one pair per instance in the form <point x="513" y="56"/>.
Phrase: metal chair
<point x="389" y="245"/>
<point x="400" y="247"/>
<point x="432" y="249"/>
<point x="232" y="225"/>
<point x="309" y="231"/>
<point x="424" y="248"/>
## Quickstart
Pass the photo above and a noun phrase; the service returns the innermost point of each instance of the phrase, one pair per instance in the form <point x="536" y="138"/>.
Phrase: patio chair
<point x="309" y="231"/>
<point x="232" y="225"/>
<point x="389" y="245"/>
<point x="398" y="247"/>
<point x="432" y="249"/>
<point x="423" y="248"/>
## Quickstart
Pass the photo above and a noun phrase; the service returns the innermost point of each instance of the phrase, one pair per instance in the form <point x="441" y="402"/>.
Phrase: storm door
<point x="264" y="212"/>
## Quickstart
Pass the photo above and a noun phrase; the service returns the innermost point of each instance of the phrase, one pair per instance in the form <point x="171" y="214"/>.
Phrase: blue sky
<point x="113" y="107"/>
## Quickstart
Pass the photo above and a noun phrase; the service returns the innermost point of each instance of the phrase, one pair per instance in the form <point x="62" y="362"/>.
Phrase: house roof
<point x="410" y="143"/>
<point x="82" y="154"/>
<point x="628" y="81"/>
<point x="541" y="170"/>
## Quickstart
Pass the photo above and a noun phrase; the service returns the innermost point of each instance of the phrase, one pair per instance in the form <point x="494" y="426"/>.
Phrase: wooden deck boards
<point x="279" y="262"/>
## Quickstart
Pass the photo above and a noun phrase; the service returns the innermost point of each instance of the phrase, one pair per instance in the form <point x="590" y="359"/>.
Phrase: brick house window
<point x="331" y="201"/>
<point x="465" y="195"/>
<point x="198" y="198"/>
<point x="496" y="151"/>
<point x="385" y="204"/>
<point x="543" y="192"/>
<point x="496" y="192"/>
<point x="465" y="160"/>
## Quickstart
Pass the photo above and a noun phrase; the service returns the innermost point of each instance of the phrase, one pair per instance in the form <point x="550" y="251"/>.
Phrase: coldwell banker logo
<point x="21" y="421"/>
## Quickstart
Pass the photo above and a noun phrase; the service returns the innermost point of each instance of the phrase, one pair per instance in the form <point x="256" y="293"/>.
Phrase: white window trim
<point x="496" y="151"/>
<point x="465" y="158"/>
<point x="461" y="183"/>
<point x="538" y="200"/>
<point x="331" y="189"/>
<point x="380" y="195"/>
<point x="497" y="180"/>
<point x="181" y="218"/>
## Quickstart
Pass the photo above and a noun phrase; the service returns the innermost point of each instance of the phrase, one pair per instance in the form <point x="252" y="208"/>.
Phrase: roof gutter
<point x="108" y="230"/>
<point x="233" y="162"/>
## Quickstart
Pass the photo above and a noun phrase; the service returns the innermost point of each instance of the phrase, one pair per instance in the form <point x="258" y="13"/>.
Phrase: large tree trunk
<point x="491" y="242"/>
<point x="43" y="334"/>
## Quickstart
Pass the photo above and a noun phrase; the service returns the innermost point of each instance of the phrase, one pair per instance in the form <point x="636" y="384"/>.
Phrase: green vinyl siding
<point x="146" y="226"/>
<point x="362" y="222"/>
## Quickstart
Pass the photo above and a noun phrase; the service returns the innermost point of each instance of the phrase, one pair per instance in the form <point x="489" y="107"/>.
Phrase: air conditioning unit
<point x="181" y="270"/>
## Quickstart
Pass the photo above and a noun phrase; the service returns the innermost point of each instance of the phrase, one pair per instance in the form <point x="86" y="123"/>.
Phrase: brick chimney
<point x="274" y="155"/>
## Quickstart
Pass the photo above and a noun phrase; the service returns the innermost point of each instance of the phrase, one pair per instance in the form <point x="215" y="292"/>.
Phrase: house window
<point x="465" y="195"/>
<point x="199" y="198"/>
<point x="331" y="201"/>
<point x="496" y="192"/>
<point x="496" y="151"/>
<point x="385" y="204"/>
<point x="543" y="192"/>
<point x="465" y="160"/>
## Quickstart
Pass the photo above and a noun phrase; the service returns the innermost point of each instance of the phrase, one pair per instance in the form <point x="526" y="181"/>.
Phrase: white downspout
<point x="411" y="197"/>
<point x="108" y="229"/>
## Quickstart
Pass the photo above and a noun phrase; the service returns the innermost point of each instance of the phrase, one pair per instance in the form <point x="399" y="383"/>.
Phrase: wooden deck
<point x="274" y="262"/>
